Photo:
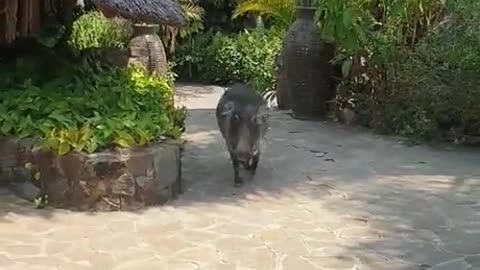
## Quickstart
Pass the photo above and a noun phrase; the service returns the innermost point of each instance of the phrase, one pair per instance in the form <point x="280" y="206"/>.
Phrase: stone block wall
<point x="119" y="179"/>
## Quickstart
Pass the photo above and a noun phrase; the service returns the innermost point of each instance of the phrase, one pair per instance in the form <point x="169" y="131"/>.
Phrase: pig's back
<point x="243" y="96"/>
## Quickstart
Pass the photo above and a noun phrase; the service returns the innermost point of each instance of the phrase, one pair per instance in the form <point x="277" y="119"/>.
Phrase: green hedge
<point x="82" y="106"/>
<point x="425" y="90"/>
<point x="90" y="110"/>
<point x="437" y="86"/>
<point x="246" y="57"/>
<point x="93" y="30"/>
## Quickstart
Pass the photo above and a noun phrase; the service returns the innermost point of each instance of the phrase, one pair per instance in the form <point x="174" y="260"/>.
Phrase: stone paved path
<point x="325" y="197"/>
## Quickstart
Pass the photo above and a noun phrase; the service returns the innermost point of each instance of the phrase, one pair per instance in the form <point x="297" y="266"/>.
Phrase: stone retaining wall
<point x="120" y="179"/>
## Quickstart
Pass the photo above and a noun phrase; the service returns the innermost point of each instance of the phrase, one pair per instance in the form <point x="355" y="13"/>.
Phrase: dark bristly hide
<point x="242" y="118"/>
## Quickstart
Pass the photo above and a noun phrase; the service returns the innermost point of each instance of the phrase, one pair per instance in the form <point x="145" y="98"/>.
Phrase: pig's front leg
<point x="253" y="163"/>
<point x="238" y="181"/>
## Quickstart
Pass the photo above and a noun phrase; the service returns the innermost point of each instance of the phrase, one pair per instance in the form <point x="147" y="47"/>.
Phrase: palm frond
<point x="194" y="14"/>
<point x="193" y="11"/>
<point x="280" y="11"/>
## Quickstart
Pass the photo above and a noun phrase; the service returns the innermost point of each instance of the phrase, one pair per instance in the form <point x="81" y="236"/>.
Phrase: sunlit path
<point x="325" y="197"/>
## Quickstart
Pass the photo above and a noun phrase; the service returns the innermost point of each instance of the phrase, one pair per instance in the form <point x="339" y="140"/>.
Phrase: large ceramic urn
<point x="307" y="67"/>
<point x="282" y="86"/>
<point x="146" y="48"/>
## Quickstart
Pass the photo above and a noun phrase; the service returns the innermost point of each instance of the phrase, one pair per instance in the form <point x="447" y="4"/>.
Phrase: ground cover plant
<point x="89" y="110"/>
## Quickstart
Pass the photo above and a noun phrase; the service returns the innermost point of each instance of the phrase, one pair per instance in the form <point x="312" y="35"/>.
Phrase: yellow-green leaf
<point x="63" y="148"/>
<point x="72" y="135"/>
<point x="122" y="142"/>
<point x="79" y="147"/>
<point x="52" y="143"/>
<point x="125" y="137"/>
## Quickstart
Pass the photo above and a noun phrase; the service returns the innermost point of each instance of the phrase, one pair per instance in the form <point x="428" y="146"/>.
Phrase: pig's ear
<point x="263" y="113"/>
<point x="228" y="108"/>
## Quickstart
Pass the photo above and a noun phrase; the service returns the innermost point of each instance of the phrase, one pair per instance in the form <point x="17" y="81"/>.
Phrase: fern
<point x="195" y="15"/>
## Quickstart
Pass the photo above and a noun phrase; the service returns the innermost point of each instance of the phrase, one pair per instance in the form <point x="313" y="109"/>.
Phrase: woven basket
<point x="146" y="49"/>
<point x="307" y="67"/>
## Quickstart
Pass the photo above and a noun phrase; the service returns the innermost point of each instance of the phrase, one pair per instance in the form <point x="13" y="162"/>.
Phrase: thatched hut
<point x="165" y="12"/>
<point x="23" y="18"/>
<point x="145" y="46"/>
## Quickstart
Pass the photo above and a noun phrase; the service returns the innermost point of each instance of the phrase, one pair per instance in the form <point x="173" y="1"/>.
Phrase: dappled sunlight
<point x="353" y="198"/>
<point x="205" y="137"/>
<point x="160" y="193"/>
<point x="324" y="196"/>
<point x="197" y="97"/>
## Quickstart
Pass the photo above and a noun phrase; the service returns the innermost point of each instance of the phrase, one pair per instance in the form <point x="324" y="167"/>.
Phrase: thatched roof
<point x="166" y="12"/>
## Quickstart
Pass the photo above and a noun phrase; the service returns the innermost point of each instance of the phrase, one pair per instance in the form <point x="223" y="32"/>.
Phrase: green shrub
<point x="222" y="63"/>
<point x="429" y="88"/>
<point x="439" y="81"/>
<point x="93" y="30"/>
<point x="190" y="54"/>
<point x="90" y="110"/>
<point x="246" y="57"/>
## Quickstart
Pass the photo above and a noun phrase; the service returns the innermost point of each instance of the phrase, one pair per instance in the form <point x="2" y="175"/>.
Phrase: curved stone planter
<point x="120" y="179"/>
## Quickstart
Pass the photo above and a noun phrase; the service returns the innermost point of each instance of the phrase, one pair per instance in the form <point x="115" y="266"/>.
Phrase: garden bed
<point x="90" y="137"/>
<point x="117" y="179"/>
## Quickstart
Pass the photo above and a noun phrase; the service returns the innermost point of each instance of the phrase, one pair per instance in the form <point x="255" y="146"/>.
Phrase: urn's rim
<point x="145" y="25"/>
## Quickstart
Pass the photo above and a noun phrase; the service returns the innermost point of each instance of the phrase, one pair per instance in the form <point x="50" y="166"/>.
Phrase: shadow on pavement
<point x="405" y="207"/>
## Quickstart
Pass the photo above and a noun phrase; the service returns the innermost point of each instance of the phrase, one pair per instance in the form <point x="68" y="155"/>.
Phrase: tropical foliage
<point x="90" y="110"/>
<point x="280" y="12"/>
<point x="247" y="57"/>
<point x="195" y="15"/>
<point x="436" y="86"/>
<point x="409" y="66"/>
<point x="93" y="30"/>
<point x="394" y="56"/>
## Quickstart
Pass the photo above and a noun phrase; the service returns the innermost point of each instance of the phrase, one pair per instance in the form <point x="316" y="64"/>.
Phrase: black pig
<point x="243" y="121"/>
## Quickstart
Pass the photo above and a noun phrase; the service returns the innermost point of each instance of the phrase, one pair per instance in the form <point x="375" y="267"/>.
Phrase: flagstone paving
<point x="325" y="197"/>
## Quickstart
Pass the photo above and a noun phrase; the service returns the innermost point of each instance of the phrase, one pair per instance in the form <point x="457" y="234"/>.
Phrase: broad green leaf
<point x="79" y="147"/>
<point x="123" y="142"/>
<point x="6" y="127"/>
<point x="346" y="66"/>
<point x="347" y="19"/>
<point x="72" y="135"/>
<point x="63" y="148"/>
<point x="91" y="147"/>
<point x="125" y="138"/>
<point x="360" y="33"/>
<point x="52" y="143"/>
